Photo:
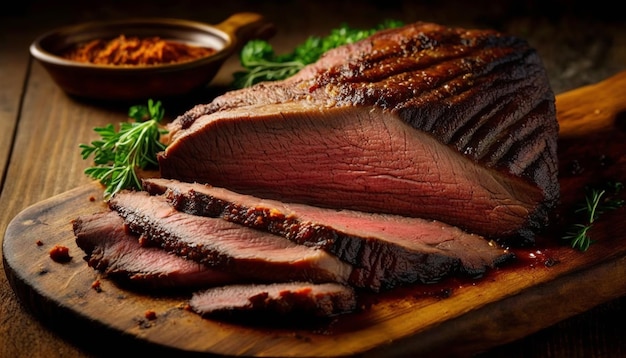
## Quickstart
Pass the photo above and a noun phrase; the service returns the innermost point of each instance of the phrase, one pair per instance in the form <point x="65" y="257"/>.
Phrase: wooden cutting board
<point x="549" y="283"/>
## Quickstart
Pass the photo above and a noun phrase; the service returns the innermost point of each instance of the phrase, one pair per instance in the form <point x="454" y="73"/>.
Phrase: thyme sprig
<point x="119" y="154"/>
<point x="598" y="200"/>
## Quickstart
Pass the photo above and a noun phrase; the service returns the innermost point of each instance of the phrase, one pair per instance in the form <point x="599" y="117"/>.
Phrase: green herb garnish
<point x="262" y="64"/>
<point x="118" y="154"/>
<point x="598" y="200"/>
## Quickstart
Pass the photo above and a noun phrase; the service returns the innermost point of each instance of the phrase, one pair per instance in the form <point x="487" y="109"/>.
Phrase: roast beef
<point x="385" y="250"/>
<point x="450" y="124"/>
<point x="277" y="300"/>
<point x="115" y="252"/>
<point x="224" y="245"/>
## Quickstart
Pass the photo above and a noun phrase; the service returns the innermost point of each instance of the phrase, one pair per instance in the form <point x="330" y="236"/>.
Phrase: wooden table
<point x="41" y="127"/>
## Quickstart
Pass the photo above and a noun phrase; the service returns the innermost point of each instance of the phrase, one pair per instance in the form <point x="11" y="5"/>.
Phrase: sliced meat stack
<point x="425" y="121"/>
<point x="245" y="270"/>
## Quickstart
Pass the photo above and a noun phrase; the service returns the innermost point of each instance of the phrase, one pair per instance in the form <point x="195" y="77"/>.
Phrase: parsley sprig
<point x="262" y="64"/>
<point x="119" y="154"/>
<point x="598" y="200"/>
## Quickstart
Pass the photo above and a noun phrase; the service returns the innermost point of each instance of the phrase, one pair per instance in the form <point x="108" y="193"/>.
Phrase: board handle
<point x="245" y="26"/>
<point x="593" y="109"/>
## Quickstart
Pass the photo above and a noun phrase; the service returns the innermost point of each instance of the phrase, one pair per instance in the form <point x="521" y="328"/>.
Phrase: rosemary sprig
<point x="598" y="200"/>
<point x="118" y="154"/>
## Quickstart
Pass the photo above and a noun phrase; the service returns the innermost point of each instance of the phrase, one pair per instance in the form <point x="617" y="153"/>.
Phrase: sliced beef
<point x="427" y="121"/>
<point x="111" y="249"/>
<point x="277" y="300"/>
<point x="224" y="245"/>
<point x="385" y="250"/>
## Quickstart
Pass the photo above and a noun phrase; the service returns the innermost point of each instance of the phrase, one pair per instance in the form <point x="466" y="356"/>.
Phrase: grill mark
<point x="448" y="62"/>
<point x="462" y="135"/>
<point x="478" y="116"/>
<point x="431" y="75"/>
<point x="516" y="152"/>
<point x="456" y="83"/>
<point x="421" y="40"/>
<point x="465" y="94"/>
<point x="493" y="129"/>
<point x="536" y="170"/>
<point x="508" y="152"/>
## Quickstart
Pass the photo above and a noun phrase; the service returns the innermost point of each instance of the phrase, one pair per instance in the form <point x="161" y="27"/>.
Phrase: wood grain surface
<point x="550" y="282"/>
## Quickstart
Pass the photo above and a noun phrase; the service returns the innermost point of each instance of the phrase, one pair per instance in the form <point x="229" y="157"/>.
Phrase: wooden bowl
<point x="129" y="83"/>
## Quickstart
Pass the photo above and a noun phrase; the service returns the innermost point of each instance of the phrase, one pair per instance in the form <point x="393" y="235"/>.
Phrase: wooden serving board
<point x="549" y="283"/>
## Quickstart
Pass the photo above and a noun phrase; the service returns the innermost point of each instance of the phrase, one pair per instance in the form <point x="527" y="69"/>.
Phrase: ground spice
<point x="135" y="51"/>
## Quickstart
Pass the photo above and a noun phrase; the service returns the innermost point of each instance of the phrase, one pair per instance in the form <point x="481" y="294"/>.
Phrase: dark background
<point x="581" y="42"/>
